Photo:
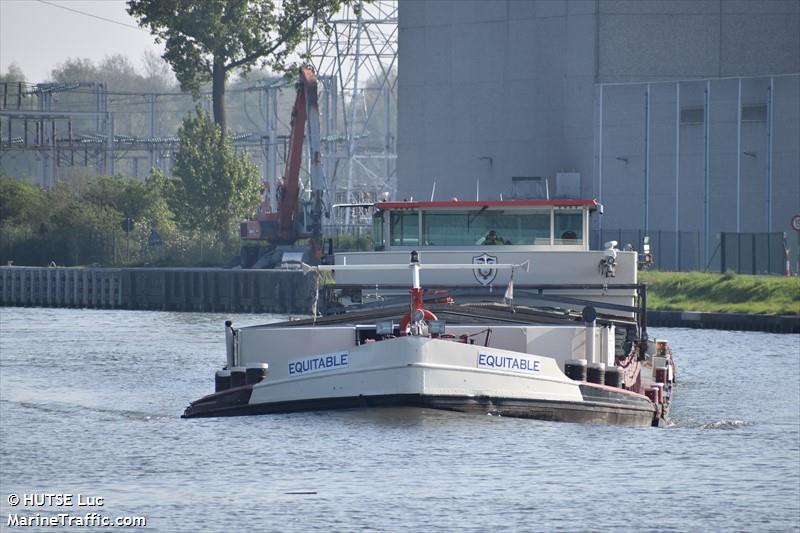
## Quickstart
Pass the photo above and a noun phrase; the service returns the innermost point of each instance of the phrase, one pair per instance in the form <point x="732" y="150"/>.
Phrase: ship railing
<point x="536" y="292"/>
<point x="387" y="295"/>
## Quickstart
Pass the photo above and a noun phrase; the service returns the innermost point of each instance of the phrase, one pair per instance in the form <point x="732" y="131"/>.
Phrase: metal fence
<point x="348" y="237"/>
<point x="682" y="251"/>
<point x="336" y="230"/>
<point x="753" y="253"/>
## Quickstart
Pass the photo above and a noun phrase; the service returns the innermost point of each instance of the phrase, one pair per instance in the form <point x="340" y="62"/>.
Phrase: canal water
<point x="90" y="404"/>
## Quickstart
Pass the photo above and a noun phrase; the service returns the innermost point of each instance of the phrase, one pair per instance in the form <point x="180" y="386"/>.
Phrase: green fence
<point x="684" y="251"/>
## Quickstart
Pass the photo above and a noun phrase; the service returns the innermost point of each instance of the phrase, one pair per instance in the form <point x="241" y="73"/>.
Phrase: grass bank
<point x="722" y="293"/>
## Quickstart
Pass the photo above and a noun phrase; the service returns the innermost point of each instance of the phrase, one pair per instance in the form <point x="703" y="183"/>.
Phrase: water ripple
<point x="90" y="402"/>
<point x="725" y="424"/>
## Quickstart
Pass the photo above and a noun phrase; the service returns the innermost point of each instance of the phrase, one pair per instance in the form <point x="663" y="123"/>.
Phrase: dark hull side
<point x="601" y="406"/>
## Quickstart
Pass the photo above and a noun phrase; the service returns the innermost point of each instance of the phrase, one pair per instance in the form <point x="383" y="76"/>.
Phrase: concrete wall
<point x="745" y="189"/>
<point x="493" y="90"/>
<point x="646" y="40"/>
<point x="485" y="93"/>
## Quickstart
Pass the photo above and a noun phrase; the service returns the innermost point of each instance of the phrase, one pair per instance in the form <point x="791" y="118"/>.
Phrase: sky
<point x="37" y="35"/>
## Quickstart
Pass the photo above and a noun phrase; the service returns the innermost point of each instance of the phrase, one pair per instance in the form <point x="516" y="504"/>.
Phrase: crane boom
<point x="283" y="227"/>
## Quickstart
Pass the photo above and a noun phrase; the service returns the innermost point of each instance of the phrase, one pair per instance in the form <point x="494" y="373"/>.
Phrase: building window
<point x="754" y="113"/>
<point x="692" y="115"/>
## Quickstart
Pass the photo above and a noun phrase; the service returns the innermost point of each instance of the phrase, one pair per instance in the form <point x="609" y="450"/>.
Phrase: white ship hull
<point x="427" y="372"/>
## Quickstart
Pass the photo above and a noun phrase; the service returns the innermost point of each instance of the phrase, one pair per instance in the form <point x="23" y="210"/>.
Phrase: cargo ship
<point x="490" y="307"/>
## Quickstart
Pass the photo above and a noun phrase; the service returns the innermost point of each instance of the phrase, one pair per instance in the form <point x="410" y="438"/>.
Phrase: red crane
<point x="284" y="227"/>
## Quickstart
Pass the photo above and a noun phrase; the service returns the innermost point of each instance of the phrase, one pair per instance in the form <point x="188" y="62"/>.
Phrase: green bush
<point x="80" y="223"/>
<point x="352" y="243"/>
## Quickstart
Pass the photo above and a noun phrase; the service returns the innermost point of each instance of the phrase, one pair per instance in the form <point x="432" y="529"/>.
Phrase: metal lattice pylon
<point x="357" y="65"/>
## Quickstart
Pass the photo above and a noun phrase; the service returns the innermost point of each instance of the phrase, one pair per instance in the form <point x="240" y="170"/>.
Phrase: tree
<point x="75" y="223"/>
<point x="157" y="71"/>
<point x="14" y="73"/>
<point x="216" y="188"/>
<point x="20" y="203"/>
<point x="141" y="201"/>
<point x="206" y="40"/>
<point x="117" y="72"/>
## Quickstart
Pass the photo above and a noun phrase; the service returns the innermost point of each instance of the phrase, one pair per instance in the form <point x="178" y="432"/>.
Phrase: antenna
<point x="477" y="189"/>
<point x="433" y="191"/>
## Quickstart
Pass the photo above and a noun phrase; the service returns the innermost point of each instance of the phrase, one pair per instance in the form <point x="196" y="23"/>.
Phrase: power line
<point x="91" y="15"/>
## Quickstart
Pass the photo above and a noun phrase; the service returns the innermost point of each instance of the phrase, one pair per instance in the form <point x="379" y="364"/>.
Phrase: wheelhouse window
<point x="404" y="229"/>
<point x="485" y="227"/>
<point x="377" y="231"/>
<point x="568" y="226"/>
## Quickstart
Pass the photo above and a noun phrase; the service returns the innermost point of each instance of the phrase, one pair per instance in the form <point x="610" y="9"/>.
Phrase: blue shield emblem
<point x="486" y="275"/>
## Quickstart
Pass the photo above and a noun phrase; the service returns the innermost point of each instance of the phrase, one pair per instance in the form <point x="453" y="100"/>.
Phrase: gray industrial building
<point x="681" y="116"/>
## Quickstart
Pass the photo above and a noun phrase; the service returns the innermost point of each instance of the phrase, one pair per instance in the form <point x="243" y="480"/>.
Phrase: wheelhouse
<point x="528" y="224"/>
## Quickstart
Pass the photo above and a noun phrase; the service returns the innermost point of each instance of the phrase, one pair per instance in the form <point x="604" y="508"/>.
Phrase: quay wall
<point x="249" y="291"/>
<point x="168" y="289"/>
<point x="726" y="321"/>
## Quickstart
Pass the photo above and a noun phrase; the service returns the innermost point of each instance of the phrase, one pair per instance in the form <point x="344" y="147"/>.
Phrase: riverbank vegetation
<point x="189" y="220"/>
<point x="192" y="219"/>
<point x="82" y="222"/>
<point x="722" y="293"/>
